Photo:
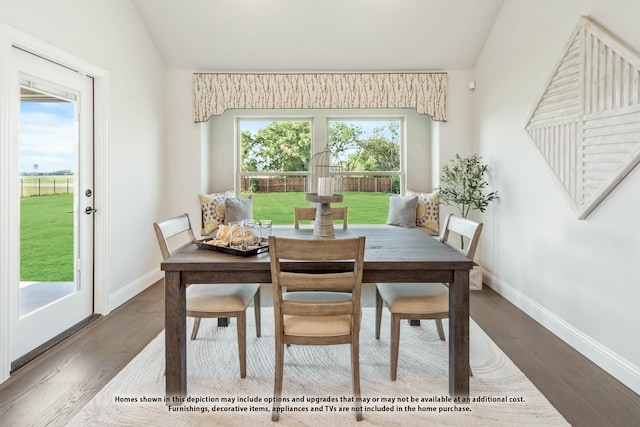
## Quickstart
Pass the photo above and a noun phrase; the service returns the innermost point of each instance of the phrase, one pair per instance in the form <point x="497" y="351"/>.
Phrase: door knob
<point x="89" y="210"/>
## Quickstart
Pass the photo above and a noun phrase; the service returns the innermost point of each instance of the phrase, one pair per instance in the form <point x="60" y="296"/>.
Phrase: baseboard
<point x="134" y="288"/>
<point x="617" y="366"/>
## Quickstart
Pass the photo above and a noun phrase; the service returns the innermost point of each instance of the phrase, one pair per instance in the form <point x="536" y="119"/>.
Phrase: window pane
<point x="275" y="146"/>
<point x="366" y="145"/>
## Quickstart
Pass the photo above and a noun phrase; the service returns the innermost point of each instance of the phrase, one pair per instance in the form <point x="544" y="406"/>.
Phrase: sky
<point x="367" y="125"/>
<point x="48" y="136"/>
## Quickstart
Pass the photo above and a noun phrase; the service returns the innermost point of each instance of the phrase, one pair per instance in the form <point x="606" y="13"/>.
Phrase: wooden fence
<point x="276" y="184"/>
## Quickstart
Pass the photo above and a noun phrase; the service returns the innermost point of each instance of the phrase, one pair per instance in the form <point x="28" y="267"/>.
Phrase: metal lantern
<point x="326" y="173"/>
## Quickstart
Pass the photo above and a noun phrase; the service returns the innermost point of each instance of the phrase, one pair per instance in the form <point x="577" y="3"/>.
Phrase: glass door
<point x="55" y="157"/>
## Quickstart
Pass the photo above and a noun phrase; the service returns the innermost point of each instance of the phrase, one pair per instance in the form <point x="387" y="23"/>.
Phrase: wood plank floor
<point x="50" y="389"/>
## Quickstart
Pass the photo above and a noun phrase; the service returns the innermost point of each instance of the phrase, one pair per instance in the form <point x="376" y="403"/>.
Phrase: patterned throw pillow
<point x="213" y="210"/>
<point x="428" y="210"/>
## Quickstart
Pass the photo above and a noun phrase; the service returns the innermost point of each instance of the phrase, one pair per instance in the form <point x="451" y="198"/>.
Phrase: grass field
<point x="364" y="208"/>
<point x="46" y="238"/>
<point x="46" y="230"/>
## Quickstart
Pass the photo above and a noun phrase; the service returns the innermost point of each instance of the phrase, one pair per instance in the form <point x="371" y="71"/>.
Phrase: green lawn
<point x="364" y="208"/>
<point x="46" y="230"/>
<point x="46" y="238"/>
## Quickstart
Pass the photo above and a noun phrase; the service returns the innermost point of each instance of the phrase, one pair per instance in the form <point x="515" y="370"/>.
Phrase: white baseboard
<point x="134" y="288"/>
<point x="617" y="366"/>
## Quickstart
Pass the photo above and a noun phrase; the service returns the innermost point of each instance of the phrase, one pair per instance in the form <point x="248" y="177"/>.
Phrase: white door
<point x="52" y="287"/>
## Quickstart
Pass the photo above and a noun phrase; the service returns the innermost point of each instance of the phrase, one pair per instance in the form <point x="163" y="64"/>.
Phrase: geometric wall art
<point x="586" y="123"/>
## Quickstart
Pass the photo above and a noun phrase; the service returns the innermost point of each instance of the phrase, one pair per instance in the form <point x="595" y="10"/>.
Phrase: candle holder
<point x="323" y="224"/>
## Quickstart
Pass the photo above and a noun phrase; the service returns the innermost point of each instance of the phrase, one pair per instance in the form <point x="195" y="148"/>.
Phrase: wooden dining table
<point x="392" y="254"/>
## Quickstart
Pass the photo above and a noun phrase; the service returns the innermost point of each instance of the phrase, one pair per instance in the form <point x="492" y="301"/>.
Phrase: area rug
<point x="317" y="385"/>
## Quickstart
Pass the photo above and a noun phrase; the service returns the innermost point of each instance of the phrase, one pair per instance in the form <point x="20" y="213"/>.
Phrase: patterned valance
<point x="216" y="92"/>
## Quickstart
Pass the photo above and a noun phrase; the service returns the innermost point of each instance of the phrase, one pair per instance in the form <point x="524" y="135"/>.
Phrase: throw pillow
<point x="213" y="210"/>
<point x="402" y="211"/>
<point x="428" y="210"/>
<point x="238" y="209"/>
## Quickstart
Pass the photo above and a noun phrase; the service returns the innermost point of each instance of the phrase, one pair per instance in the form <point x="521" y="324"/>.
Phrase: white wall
<point x="110" y="35"/>
<point x="578" y="278"/>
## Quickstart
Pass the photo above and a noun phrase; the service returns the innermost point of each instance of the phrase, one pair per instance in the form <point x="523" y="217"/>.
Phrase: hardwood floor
<point x="50" y="389"/>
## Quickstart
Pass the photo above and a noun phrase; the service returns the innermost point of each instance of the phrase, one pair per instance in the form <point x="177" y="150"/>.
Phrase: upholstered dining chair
<point x="319" y="315"/>
<point x="309" y="214"/>
<point x="211" y="301"/>
<point x="417" y="301"/>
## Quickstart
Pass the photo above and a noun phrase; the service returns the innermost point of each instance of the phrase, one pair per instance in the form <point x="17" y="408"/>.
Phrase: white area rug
<point x="320" y="377"/>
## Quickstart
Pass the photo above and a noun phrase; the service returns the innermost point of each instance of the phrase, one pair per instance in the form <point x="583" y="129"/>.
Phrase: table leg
<point x="459" y="334"/>
<point x="175" y="338"/>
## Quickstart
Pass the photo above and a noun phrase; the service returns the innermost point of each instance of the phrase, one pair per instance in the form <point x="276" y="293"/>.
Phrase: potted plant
<point x="463" y="184"/>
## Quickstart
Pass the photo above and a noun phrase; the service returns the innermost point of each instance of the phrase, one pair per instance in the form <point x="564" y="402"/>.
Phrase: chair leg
<point x="256" y="307"/>
<point x="196" y="326"/>
<point x="395" y="344"/>
<point x="440" y="329"/>
<point x="242" y="343"/>
<point x="378" y="313"/>
<point x="277" y="383"/>
<point x="355" y="373"/>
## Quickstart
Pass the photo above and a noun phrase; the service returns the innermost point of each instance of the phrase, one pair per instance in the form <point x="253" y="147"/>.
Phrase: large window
<point x="275" y="162"/>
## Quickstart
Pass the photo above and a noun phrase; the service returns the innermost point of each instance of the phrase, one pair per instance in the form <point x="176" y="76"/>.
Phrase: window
<point x="369" y="151"/>
<point x="274" y="155"/>
<point x="274" y="162"/>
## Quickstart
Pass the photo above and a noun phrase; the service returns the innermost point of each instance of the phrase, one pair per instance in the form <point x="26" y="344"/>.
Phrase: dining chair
<point x="418" y="301"/>
<point x="211" y="301"/>
<point x="309" y="214"/>
<point x="319" y="315"/>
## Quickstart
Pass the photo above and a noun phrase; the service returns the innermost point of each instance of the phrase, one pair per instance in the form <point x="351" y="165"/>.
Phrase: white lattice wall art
<point x="586" y="124"/>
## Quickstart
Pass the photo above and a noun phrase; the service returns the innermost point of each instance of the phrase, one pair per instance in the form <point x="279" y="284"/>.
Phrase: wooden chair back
<point x="172" y="227"/>
<point x="309" y="214"/>
<point x="465" y="228"/>
<point x="349" y="252"/>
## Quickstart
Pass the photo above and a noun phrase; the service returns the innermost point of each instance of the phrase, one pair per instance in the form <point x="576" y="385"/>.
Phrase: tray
<point x="262" y="247"/>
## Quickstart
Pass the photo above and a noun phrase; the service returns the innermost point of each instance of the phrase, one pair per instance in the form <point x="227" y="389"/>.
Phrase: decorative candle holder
<point x="323" y="224"/>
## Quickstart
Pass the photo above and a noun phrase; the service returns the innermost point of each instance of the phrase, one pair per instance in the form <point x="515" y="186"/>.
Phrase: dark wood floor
<point x="50" y="389"/>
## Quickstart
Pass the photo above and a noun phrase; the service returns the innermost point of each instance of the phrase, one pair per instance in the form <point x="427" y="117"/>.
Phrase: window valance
<point x="216" y="92"/>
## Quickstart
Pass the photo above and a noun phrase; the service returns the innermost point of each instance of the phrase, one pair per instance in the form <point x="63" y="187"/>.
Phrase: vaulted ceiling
<point x="319" y="35"/>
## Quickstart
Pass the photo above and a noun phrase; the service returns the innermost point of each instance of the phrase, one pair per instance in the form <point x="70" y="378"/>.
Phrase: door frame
<point x="10" y="38"/>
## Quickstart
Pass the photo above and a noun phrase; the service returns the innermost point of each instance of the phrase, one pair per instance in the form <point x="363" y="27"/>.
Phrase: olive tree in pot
<point x="463" y="184"/>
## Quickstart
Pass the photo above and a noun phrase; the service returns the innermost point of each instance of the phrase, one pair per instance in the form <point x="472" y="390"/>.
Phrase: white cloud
<point x="48" y="137"/>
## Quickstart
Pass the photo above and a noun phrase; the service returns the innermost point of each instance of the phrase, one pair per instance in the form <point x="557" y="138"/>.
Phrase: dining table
<point x="392" y="255"/>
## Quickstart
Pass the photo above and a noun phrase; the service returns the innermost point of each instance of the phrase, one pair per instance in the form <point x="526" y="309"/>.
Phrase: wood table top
<point x="387" y="247"/>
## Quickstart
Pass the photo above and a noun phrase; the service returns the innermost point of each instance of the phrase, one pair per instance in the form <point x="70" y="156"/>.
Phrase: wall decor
<point x="216" y="92"/>
<point x="586" y="124"/>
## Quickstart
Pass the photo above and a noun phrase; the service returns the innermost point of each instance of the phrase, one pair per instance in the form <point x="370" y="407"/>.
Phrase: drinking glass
<point x="252" y="230"/>
<point x="236" y="231"/>
<point x="265" y="229"/>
